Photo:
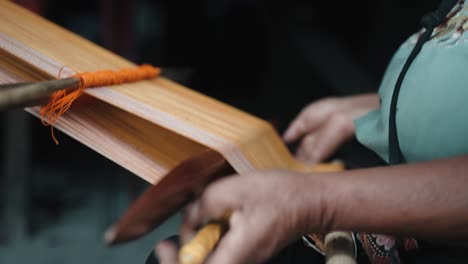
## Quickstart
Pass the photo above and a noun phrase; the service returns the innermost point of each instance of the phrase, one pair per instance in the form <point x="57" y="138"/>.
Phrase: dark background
<point x="270" y="58"/>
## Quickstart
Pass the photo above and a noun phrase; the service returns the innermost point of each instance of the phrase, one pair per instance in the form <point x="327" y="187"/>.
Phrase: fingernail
<point x="110" y="235"/>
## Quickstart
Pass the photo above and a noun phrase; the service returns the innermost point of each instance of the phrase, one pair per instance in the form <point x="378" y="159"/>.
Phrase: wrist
<point x="319" y="201"/>
<point x="326" y="198"/>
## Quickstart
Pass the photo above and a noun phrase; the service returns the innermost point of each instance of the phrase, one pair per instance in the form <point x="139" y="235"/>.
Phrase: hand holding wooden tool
<point x="183" y="184"/>
<point x="339" y="246"/>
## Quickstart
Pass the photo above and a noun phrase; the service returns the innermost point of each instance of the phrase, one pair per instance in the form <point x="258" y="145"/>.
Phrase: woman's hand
<point x="272" y="208"/>
<point x="326" y="124"/>
<point x="269" y="210"/>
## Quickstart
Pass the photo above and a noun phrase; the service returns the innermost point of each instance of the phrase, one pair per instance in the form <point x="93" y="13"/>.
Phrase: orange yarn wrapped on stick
<point x="61" y="101"/>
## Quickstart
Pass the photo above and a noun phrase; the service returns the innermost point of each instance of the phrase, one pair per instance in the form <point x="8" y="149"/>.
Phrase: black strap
<point x="429" y="22"/>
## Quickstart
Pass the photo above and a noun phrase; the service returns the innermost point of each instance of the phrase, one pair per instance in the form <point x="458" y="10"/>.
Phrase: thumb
<point x="239" y="245"/>
<point x="232" y="249"/>
<point x="220" y="197"/>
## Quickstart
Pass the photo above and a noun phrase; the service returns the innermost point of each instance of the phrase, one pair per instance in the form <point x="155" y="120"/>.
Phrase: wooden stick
<point x="198" y="249"/>
<point x="34" y="93"/>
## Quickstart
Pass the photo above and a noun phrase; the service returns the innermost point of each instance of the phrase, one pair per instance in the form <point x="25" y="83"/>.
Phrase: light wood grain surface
<point x="43" y="48"/>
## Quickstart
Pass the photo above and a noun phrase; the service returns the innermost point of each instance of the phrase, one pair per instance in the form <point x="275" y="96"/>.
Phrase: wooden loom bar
<point x="158" y="123"/>
<point x="244" y="140"/>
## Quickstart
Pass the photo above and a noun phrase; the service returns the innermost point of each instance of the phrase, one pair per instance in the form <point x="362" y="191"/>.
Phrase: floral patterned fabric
<point x="383" y="249"/>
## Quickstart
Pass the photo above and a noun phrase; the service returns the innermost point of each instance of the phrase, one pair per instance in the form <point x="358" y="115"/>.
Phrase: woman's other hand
<point x="323" y="126"/>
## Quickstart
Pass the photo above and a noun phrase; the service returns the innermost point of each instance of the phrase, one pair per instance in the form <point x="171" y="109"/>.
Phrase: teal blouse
<point x="432" y="110"/>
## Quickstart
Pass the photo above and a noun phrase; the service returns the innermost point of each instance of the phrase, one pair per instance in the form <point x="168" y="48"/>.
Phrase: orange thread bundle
<point x="61" y="100"/>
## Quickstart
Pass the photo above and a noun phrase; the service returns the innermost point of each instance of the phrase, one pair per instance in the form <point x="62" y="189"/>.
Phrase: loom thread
<point x="62" y="100"/>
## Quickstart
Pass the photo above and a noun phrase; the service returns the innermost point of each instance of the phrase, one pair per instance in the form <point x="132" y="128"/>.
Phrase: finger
<point x="308" y="120"/>
<point x="188" y="230"/>
<point x="305" y="150"/>
<point x="295" y="130"/>
<point x="234" y="247"/>
<point x="166" y="252"/>
<point x="243" y="243"/>
<point x="190" y="212"/>
<point x="186" y="233"/>
<point x="330" y="137"/>
<point x="220" y="197"/>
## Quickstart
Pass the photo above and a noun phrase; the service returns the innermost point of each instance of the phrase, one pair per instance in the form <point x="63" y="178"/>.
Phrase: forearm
<point x="427" y="200"/>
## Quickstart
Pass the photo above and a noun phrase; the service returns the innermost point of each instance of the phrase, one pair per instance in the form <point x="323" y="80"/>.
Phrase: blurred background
<point x="269" y="58"/>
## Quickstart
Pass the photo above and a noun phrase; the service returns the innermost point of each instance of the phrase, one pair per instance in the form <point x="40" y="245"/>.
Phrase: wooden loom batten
<point x="147" y="127"/>
<point x="245" y="141"/>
